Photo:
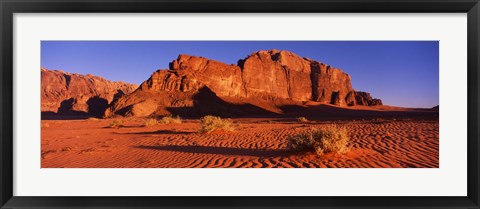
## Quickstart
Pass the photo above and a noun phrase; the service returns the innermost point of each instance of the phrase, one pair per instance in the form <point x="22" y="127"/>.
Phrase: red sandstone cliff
<point x="265" y="80"/>
<point x="68" y="93"/>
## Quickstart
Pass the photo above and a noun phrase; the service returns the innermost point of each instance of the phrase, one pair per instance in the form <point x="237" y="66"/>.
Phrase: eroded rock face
<point x="276" y="73"/>
<point x="330" y="85"/>
<point x="68" y="93"/>
<point x="262" y="76"/>
<point x="189" y="73"/>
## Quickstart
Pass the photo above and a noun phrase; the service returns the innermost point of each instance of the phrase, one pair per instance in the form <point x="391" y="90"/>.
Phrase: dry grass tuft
<point x="150" y="122"/>
<point x="330" y="138"/>
<point x="66" y="149"/>
<point x="116" y="124"/>
<point x="170" y="120"/>
<point x="45" y="125"/>
<point x="212" y="123"/>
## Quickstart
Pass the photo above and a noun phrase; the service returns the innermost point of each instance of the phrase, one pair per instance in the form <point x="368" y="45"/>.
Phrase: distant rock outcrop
<point x="361" y="98"/>
<point x="197" y="85"/>
<point x="65" y="93"/>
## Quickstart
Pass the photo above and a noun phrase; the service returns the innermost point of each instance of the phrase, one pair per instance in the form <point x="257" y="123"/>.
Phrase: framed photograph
<point x="239" y="104"/>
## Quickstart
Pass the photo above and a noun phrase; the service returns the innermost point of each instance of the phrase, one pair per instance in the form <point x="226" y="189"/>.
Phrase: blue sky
<point x="401" y="73"/>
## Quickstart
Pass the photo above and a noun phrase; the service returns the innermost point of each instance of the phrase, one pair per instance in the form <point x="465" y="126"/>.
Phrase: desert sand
<point x="265" y="94"/>
<point x="376" y="142"/>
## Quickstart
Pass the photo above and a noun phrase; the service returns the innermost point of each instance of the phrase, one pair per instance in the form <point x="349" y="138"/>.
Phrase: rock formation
<point x="273" y="76"/>
<point x="361" y="98"/>
<point x="73" y="94"/>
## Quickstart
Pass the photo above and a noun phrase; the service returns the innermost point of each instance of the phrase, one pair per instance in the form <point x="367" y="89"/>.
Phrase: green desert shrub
<point x="115" y="124"/>
<point x="150" y="122"/>
<point x="170" y="120"/>
<point x="302" y="119"/>
<point x="211" y="123"/>
<point x="330" y="138"/>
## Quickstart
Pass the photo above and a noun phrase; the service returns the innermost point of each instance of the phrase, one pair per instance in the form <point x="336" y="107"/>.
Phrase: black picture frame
<point x="10" y="7"/>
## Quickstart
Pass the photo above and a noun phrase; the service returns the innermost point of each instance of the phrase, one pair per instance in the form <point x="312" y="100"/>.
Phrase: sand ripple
<point x="255" y="144"/>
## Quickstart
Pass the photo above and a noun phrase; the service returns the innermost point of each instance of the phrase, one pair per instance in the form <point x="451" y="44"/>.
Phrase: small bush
<point x="302" y="119"/>
<point x="45" y="125"/>
<point x="150" y="122"/>
<point x="211" y="123"/>
<point x="331" y="138"/>
<point x="116" y="124"/>
<point x="66" y="149"/>
<point x="171" y="120"/>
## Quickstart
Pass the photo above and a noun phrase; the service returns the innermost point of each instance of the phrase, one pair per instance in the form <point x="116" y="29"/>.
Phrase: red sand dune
<point x="256" y="143"/>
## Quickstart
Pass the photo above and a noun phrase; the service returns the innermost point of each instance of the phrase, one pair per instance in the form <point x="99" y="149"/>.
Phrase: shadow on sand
<point x="206" y="102"/>
<point x="220" y="150"/>
<point x="160" y="132"/>
<point x="50" y="115"/>
<point x="325" y="112"/>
